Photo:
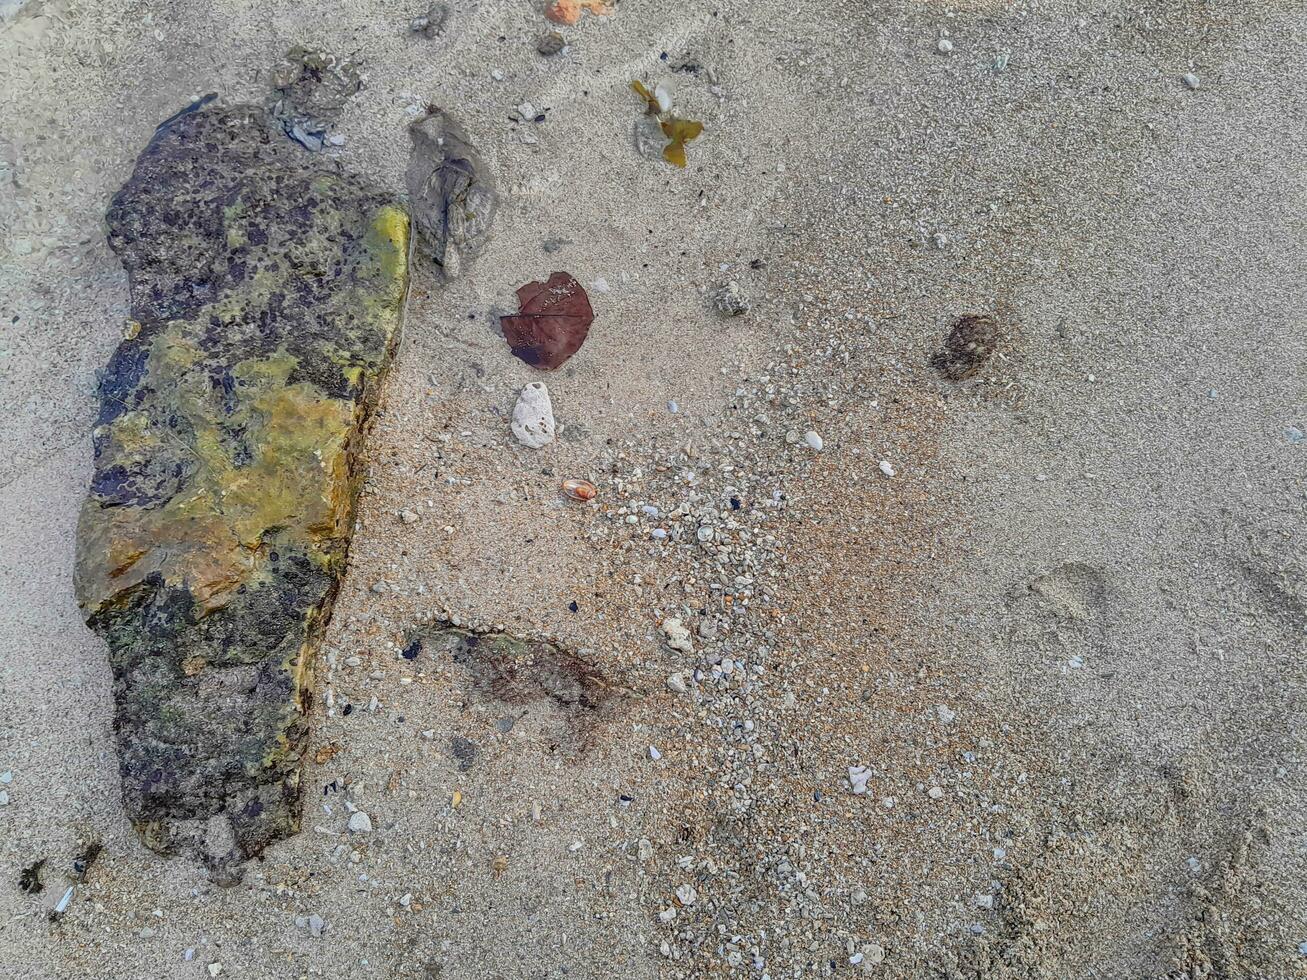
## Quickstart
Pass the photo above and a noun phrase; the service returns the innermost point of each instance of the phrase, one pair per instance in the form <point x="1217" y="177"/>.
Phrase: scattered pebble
<point x="313" y="923"/>
<point x="887" y="467"/>
<point x="360" y="823"/>
<point x="944" y="45"/>
<point x="936" y="792"/>
<point x="813" y="441"/>
<point x="686" y="895"/>
<point x="676" y="683"/>
<point x="1191" y="80"/>
<point x="654" y="753"/>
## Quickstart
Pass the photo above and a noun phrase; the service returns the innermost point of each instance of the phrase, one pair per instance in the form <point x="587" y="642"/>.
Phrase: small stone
<point x="944" y="45"/>
<point x="984" y="901"/>
<point x="360" y="823"/>
<point x="936" y="793"/>
<point x="676" y="683"/>
<point x="1191" y="80"/>
<point x="654" y="753"/>
<point x="4" y="797"/>
<point x="678" y="637"/>
<point x="431" y="23"/>
<point x="533" y="416"/>
<point x="667" y="914"/>
<point x="408" y="516"/>
<point x="858" y="776"/>
<point x="6" y="777"/>
<point x="887" y="467"/>
<point x="729" y="300"/>
<point x="813" y="441"/>
<point x="550" y="44"/>
<point x="874" y="952"/>
<point x="945" y="714"/>
<point x="686" y="895"/>
<point x="215" y="969"/>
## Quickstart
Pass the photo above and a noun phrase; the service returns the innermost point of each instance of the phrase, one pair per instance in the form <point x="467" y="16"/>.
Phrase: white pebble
<point x="936" y="793"/>
<point x="676" y="683"/>
<point x="360" y="823"/>
<point x="533" y="416"/>
<point x="813" y="441"/>
<point x="686" y="894"/>
<point x="944" y="46"/>
<point x="887" y="467"/>
<point x="1191" y="80"/>
<point x="654" y="753"/>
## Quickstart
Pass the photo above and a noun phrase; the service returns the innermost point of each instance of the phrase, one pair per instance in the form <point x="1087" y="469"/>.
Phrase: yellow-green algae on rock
<point x="267" y="290"/>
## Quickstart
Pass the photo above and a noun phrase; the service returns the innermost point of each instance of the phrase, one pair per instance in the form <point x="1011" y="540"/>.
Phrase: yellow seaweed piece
<point x="680" y="132"/>
<point x="640" y="89"/>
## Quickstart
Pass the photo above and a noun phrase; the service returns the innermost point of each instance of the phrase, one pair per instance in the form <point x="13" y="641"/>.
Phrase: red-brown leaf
<point x="552" y="324"/>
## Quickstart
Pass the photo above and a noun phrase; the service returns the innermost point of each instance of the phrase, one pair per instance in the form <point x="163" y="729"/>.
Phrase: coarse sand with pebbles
<point x="1003" y="680"/>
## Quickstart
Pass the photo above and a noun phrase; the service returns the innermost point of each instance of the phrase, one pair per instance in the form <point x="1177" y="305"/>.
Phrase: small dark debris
<point x="757" y="264"/>
<point x="573" y="606"/>
<point x="29" y="879"/>
<point x="971" y="342"/>
<point x="555" y="244"/>
<point x="465" y="751"/>
<point x="505" y="724"/>
<point x="411" y="651"/>
<point x="83" y="861"/>
<point x="735" y="503"/>
<point x="347" y="710"/>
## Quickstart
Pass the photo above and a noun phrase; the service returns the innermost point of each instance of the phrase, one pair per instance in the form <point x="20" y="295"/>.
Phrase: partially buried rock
<point x="971" y="342"/>
<point x="431" y="23"/>
<point x="266" y="294"/>
<point x="453" y="197"/>
<point x="312" y="89"/>
<point x="552" y="323"/>
<point x="550" y="44"/>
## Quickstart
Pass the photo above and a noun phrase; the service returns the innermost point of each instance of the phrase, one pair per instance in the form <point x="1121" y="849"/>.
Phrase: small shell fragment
<point x="580" y="489"/>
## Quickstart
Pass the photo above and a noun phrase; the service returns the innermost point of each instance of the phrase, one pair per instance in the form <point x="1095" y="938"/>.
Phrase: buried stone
<point x="266" y="293"/>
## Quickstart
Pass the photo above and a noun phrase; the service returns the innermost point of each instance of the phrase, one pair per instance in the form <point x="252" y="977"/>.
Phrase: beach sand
<point x="1061" y="646"/>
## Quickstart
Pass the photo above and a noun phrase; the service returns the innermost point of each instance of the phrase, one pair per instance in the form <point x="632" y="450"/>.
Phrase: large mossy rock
<point x="267" y="290"/>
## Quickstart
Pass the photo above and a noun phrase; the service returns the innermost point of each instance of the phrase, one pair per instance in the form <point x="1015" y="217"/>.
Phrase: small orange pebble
<point x="580" y="489"/>
<point x="569" y="11"/>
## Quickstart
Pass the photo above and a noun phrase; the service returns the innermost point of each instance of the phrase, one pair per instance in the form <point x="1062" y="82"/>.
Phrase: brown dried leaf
<point x="552" y="324"/>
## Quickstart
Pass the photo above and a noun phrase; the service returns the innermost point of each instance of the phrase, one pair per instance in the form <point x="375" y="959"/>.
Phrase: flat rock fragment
<point x="266" y="291"/>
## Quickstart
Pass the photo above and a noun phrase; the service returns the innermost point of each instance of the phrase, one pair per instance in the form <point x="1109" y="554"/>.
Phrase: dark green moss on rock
<point x="267" y="290"/>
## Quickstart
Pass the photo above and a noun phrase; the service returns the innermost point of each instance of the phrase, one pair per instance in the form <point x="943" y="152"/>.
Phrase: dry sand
<point x="1090" y="554"/>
